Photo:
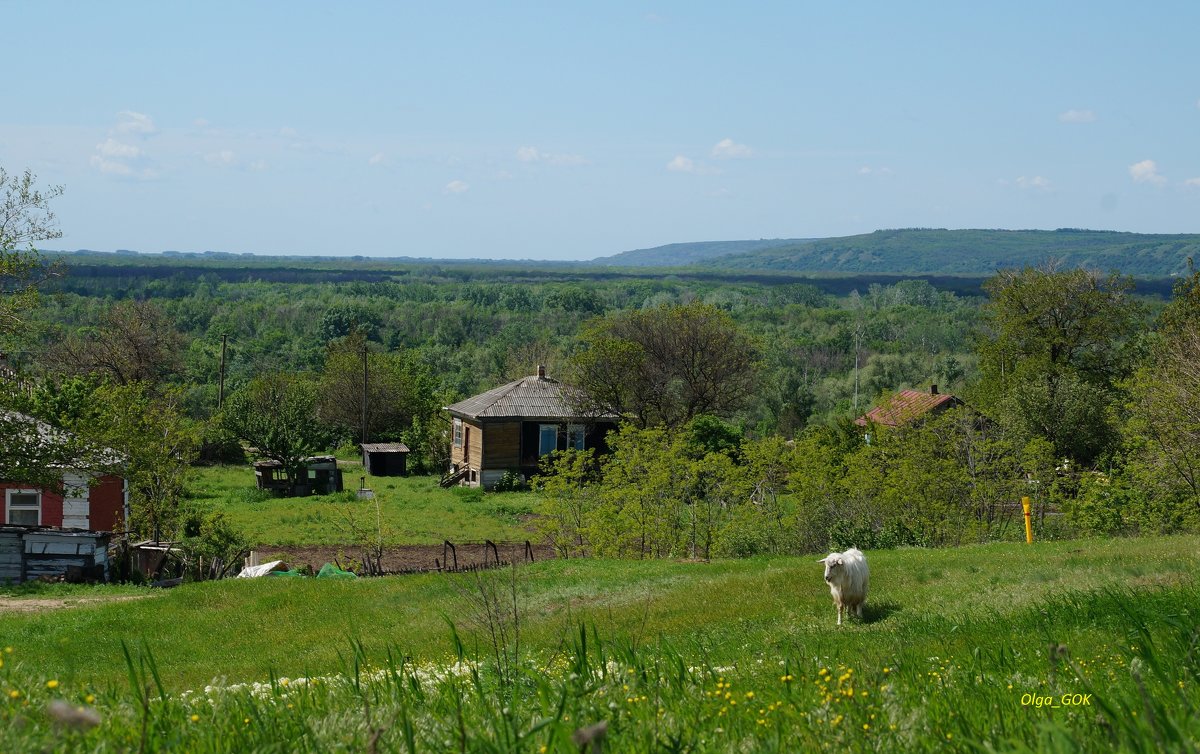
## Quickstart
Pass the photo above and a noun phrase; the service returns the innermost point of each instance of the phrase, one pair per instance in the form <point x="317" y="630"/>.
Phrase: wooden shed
<point x="385" y="458"/>
<point x="322" y="477"/>
<point x="28" y="553"/>
<point x="511" y="427"/>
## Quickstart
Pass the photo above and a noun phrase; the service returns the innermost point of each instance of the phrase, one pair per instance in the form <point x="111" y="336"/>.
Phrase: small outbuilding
<point x="511" y="427"/>
<point x="321" y="478"/>
<point x="385" y="458"/>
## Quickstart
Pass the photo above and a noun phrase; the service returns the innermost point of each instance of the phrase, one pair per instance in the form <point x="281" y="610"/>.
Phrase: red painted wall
<point x="52" y="504"/>
<point x="106" y="503"/>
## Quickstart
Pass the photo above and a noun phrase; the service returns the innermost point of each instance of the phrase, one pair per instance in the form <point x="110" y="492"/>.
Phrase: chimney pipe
<point x="933" y="389"/>
<point x="541" y="372"/>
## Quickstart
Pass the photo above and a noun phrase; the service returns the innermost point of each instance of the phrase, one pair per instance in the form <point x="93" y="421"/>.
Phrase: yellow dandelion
<point x="949" y="736"/>
<point x="8" y="650"/>
<point x="90" y="698"/>
<point x="823" y="671"/>
<point x="246" y="721"/>
<point x="52" y="684"/>
<point x="14" y="694"/>
<point x="887" y="670"/>
<point x="866" y="727"/>
<point x="749" y="694"/>
<point x="195" y="718"/>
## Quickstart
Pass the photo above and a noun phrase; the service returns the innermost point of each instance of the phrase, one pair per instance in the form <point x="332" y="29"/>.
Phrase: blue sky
<point x="569" y="131"/>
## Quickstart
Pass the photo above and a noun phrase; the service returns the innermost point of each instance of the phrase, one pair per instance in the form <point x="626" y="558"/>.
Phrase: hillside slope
<point x="679" y="254"/>
<point x="975" y="252"/>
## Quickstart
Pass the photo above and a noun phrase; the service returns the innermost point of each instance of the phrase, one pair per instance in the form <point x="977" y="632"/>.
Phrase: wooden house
<point x="908" y="406"/>
<point x="385" y="458"/>
<point x="511" y="427"/>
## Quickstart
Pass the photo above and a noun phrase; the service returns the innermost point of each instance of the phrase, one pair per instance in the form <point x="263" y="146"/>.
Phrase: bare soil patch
<point x="404" y="558"/>
<point x="37" y="604"/>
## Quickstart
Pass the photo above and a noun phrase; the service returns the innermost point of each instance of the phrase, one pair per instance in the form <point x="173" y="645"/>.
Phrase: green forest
<point x="738" y="394"/>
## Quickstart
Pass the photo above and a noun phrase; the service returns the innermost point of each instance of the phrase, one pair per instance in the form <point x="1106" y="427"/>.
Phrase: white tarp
<point x="253" y="572"/>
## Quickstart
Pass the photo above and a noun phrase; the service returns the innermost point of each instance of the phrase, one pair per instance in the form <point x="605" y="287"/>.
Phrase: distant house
<point x="385" y="458"/>
<point x="81" y="501"/>
<point x="511" y="427"/>
<point x="908" y="406"/>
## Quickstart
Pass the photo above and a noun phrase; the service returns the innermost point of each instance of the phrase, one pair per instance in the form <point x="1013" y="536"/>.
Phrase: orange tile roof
<point x="906" y="406"/>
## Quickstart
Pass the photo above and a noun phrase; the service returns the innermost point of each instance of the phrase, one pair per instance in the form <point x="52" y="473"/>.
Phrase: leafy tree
<point x="154" y="446"/>
<point x="570" y="490"/>
<point x="341" y="320"/>
<point x="1055" y="344"/>
<point x="277" y="415"/>
<point x="666" y="365"/>
<point x="1163" y="428"/>
<point x="399" y="390"/>
<point x="25" y="218"/>
<point x="135" y="341"/>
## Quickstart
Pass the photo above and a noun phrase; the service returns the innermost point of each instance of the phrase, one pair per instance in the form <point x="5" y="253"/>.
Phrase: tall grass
<point x="1141" y="696"/>
<point x="959" y="651"/>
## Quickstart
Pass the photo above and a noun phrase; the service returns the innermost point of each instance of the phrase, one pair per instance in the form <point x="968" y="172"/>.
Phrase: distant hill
<point x="923" y="251"/>
<point x="681" y="254"/>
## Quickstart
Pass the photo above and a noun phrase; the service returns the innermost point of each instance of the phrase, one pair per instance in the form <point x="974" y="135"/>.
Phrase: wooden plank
<point x="502" y="451"/>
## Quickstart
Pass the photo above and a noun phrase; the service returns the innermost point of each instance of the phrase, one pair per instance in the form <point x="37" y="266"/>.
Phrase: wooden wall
<point x="503" y="450"/>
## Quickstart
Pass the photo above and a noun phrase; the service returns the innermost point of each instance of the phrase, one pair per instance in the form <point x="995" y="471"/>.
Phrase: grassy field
<point x="959" y="649"/>
<point x="414" y="510"/>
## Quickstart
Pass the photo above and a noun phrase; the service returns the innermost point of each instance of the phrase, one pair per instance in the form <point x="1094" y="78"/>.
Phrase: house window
<point x="23" y="507"/>
<point x="575" y="435"/>
<point x="458" y="433"/>
<point x="547" y="438"/>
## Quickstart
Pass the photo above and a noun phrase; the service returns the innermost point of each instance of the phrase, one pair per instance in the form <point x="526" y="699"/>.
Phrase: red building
<point x="99" y="506"/>
<point x="96" y="504"/>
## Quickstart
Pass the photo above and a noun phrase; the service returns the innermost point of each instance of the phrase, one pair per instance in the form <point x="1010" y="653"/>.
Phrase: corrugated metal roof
<point x="526" y="398"/>
<point x="904" y="407"/>
<point x="384" y="447"/>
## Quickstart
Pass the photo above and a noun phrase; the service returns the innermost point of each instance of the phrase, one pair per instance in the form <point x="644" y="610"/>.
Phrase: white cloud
<point x="868" y="170"/>
<point x="1192" y="183"/>
<point x="224" y="158"/>
<point x="200" y="123"/>
<point x="377" y="159"/>
<point x="1077" y="116"/>
<point x="726" y="149"/>
<point x="533" y="154"/>
<point x="1146" y="171"/>
<point x="457" y="187"/>
<point x="113" y="148"/>
<point x="118" y="158"/>
<point x="681" y="164"/>
<point x="1036" y="182"/>
<point x="288" y="132"/>
<point x="129" y="122"/>
<point x="258" y="166"/>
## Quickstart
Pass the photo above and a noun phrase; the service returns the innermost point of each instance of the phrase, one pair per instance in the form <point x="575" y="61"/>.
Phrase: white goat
<point x="846" y="573"/>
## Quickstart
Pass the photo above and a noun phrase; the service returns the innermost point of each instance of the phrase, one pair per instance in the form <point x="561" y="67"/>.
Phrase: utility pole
<point x="857" y="335"/>
<point x="221" y="389"/>
<point x="364" y="396"/>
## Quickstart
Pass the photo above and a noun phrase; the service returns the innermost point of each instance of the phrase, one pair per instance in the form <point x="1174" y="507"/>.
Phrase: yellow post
<point x="1028" y="520"/>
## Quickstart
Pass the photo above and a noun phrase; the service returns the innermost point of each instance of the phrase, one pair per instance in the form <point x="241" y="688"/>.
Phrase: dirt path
<point x="38" y="604"/>
<point x="405" y="557"/>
